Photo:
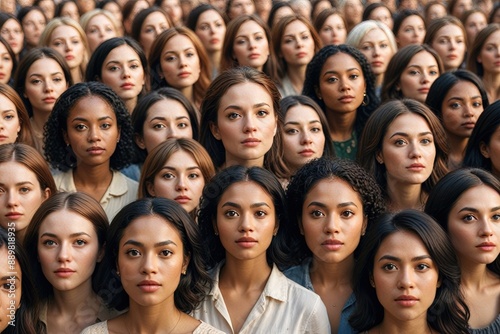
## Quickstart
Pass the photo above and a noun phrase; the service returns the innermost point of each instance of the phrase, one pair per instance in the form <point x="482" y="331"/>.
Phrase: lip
<point x="95" y="150"/>
<point x="377" y="64"/>
<point x="184" y="74"/>
<point x="214" y="41"/>
<point x="301" y="54"/>
<point x="423" y="90"/>
<point x="182" y="199"/>
<point x="246" y="242"/>
<point x="406" y="300"/>
<point x="127" y="85"/>
<point x="307" y="152"/>
<point x="69" y="57"/>
<point x="49" y="100"/>
<point x="2" y="75"/>
<point x="486" y="246"/>
<point x="332" y="244"/>
<point x="469" y="125"/>
<point x="2" y="137"/>
<point x="417" y="167"/>
<point x="149" y="286"/>
<point x="64" y="272"/>
<point x="254" y="55"/>
<point x="251" y="142"/>
<point x="452" y="57"/>
<point x="346" y="99"/>
<point x="14" y="215"/>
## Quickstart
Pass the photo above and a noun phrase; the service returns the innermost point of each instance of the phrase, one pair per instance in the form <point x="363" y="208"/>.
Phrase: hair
<point x="140" y="112"/>
<point x="274" y="9"/>
<point x="128" y="8"/>
<point x="25" y="135"/>
<point x="486" y="125"/>
<point x="472" y="64"/>
<point x="300" y="100"/>
<point x="278" y="252"/>
<point x="142" y="16"/>
<point x="27" y="315"/>
<point x="437" y="24"/>
<point x="397" y="65"/>
<point x="493" y="12"/>
<point x="327" y="168"/>
<point x="376" y="128"/>
<point x="311" y="83"/>
<point x="25" y="64"/>
<point x="403" y="15"/>
<point x="448" y="312"/>
<point x="77" y="202"/>
<point x="451" y="6"/>
<point x="468" y="13"/>
<point x="201" y="85"/>
<point x="428" y="7"/>
<point x="60" y="6"/>
<point x="360" y="30"/>
<point x="371" y="7"/>
<point x="4" y="17"/>
<point x="61" y="156"/>
<point x="87" y="17"/>
<point x="448" y="191"/>
<point x="324" y="15"/>
<point x="277" y="39"/>
<point x="227" y="59"/>
<point x="24" y="11"/>
<point x="315" y="3"/>
<point x="446" y="81"/>
<point x="192" y="286"/>
<point x="12" y="56"/>
<point x="273" y="159"/>
<point x="103" y="3"/>
<point x="195" y="14"/>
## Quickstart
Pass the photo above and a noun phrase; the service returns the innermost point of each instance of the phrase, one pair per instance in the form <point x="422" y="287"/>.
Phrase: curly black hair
<point x="329" y="168"/>
<point x="61" y="156"/>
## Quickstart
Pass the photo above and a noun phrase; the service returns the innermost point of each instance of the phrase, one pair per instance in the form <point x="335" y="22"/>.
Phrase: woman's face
<point x="332" y="225"/>
<point x="489" y="56"/>
<point x="408" y="150"/>
<point x="417" y="78"/>
<point x="20" y="195"/>
<point x="67" y="41"/>
<point x="10" y="124"/>
<point x="99" y="29"/>
<point x="282" y="12"/>
<point x="240" y="7"/>
<point x="491" y="151"/>
<point x="405" y="277"/>
<point x="6" y="64"/>
<point x="122" y="71"/>
<point x="383" y="15"/>
<point x="173" y="9"/>
<point x="353" y="11"/>
<point x="460" y="7"/>
<point x="180" y="180"/>
<point x="114" y="9"/>
<point x="165" y="119"/>
<point x="333" y="31"/>
<point x="154" y="24"/>
<point x="449" y="43"/>
<point x="180" y="63"/>
<point x="13" y="33"/>
<point x="33" y="25"/>
<point x="246" y="221"/>
<point x="10" y="287"/>
<point x="461" y="108"/>
<point x="341" y="84"/>
<point x="377" y="50"/>
<point x="246" y="124"/>
<point x="297" y="44"/>
<point x="92" y="131"/>
<point x="48" y="7"/>
<point x="474" y="225"/>
<point x="211" y="29"/>
<point x="151" y="261"/>
<point x="70" y="10"/>
<point x="474" y="24"/>
<point x="45" y="82"/>
<point x="436" y="11"/>
<point x="411" y="31"/>
<point x="68" y="250"/>
<point x="303" y="136"/>
<point x="251" y="46"/>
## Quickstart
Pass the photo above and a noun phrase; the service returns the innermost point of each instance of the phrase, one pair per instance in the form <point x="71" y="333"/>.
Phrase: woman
<point x="243" y="218"/>
<point x="326" y="230"/>
<point x="65" y="243"/>
<point x="352" y="11"/>
<point x="67" y="8"/>
<point x="411" y="72"/>
<point x="457" y="98"/>
<point x="237" y="8"/>
<point x="129" y="10"/>
<point x="148" y="24"/>
<point x="466" y="203"/>
<point x="99" y="26"/>
<point x="173" y="9"/>
<point x="457" y="8"/>
<point x="178" y="60"/>
<point x="404" y="147"/>
<point x="67" y="37"/>
<point x="42" y="77"/>
<point x="25" y="183"/>
<point x="33" y="22"/>
<point x="409" y="28"/>
<point x="447" y="36"/>
<point x="88" y="137"/>
<point x="331" y="27"/>
<point x="306" y="135"/>
<point x="12" y="31"/>
<point x="210" y="27"/>
<point x="120" y="64"/>
<point x="295" y="42"/>
<point x="242" y="129"/>
<point x="434" y="10"/>
<point x="339" y="79"/>
<point x="379" y="11"/>
<point x="407" y="279"/>
<point x="376" y="41"/>
<point x="114" y="8"/>
<point x="474" y="21"/>
<point x="8" y="62"/>
<point x="248" y="43"/>
<point x="154" y="251"/>
<point x="177" y="169"/>
<point x="48" y="7"/>
<point x="15" y="125"/>
<point x="279" y="10"/>
<point x="483" y="60"/>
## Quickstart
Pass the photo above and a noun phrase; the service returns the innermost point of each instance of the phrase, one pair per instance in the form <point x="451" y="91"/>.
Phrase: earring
<point x="216" y="233"/>
<point x="372" y="282"/>
<point x="366" y="100"/>
<point x="183" y="272"/>
<point x="118" y="273"/>
<point x="379" y="160"/>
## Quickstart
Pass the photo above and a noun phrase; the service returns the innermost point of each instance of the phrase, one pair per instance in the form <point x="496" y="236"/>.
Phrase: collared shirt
<point x="283" y="307"/>
<point x="120" y="192"/>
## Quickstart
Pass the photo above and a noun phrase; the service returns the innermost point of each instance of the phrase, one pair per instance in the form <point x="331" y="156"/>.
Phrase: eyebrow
<point x="254" y="205"/>
<point x="347" y="70"/>
<point x="158" y="244"/>
<point x="173" y="168"/>
<point x="476" y="210"/>
<point x="297" y="123"/>
<point x="72" y="235"/>
<point x="41" y="75"/>
<point x="7" y="278"/>
<point x="19" y="183"/>
<point x="340" y="205"/>
<point x="463" y="98"/>
<point x="403" y="134"/>
<point x="81" y="119"/>
<point x="258" y="105"/>
<point x="7" y="110"/>
<point x="293" y="35"/>
<point x="161" y="118"/>
<point x="397" y="259"/>
<point x="119" y="62"/>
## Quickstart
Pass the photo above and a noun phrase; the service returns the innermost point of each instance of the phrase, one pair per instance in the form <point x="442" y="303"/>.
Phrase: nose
<point x="415" y="151"/>
<point x="249" y="125"/>
<point x="68" y="46"/>
<point x="453" y="45"/>
<point x="101" y="33"/>
<point x="405" y="279"/>
<point x="93" y="134"/>
<point x="181" y="183"/>
<point x="246" y="223"/>
<point x="468" y="111"/>
<point x="331" y="225"/>
<point x="252" y="44"/>
<point x="158" y="31"/>
<point x="306" y="137"/>
<point x="344" y="86"/>
<point x="12" y="199"/>
<point x="149" y="264"/>
<point x="126" y="71"/>
<point x="486" y="229"/>
<point x="49" y="87"/>
<point x="64" y="253"/>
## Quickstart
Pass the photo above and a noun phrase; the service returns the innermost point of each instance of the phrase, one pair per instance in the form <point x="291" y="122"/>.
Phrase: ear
<point x="215" y="130"/>
<point x="365" y="225"/>
<point x="484" y="149"/>
<point x="46" y="193"/>
<point x="100" y="255"/>
<point x="439" y="283"/>
<point x="372" y="281"/>
<point x="139" y="140"/>
<point x="479" y="59"/>
<point x="214" y="225"/>
<point x="301" y="227"/>
<point x="185" y="263"/>
<point x="380" y="158"/>
<point x="65" y="136"/>
<point x="151" y="188"/>
<point x="119" y="135"/>
<point x="318" y="92"/>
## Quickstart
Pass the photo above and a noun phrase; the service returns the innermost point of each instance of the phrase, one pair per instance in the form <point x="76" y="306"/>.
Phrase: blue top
<point x="300" y="274"/>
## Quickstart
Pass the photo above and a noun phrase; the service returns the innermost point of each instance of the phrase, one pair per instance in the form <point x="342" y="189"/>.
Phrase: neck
<point x="76" y="75"/>
<point x="394" y="326"/>
<point x="404" y="196"/>
<point x="163" y="317"/>
<point x="297" y="76"/>
<point x="92" y="175"/>
<point x="341" y="124"/>
<point x="130" y="104"/>
<point x="332" y="274"/>
<point x="72" y="301"/>
<point x="215" y="58"/>
<point x="245" y="274"/>
<point x="492" y="85"/>
<point x="38" y="120"/>
<point x="379" y="79"/>
<point x="457" y="146"/>
<point x="474" y="275"/>
<point x="188" y="92"/>
<point x="231" y="161"/>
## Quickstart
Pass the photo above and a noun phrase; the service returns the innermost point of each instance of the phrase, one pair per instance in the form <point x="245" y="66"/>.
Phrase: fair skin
<point x="20" y="196"/>
<point x="70" y="10"/>
<point x="405" y="279"/>
<point x="341" y="86"/>
<point x="492" y="151"/>
<point x="246" y="125"/>
<point x="474" y="229"/>
<point x="435" y="11"/>
<point x="127" y="23"/>
<point x="282" y="12"/>
<point x="99" y="29"/>
<point x="92" y="133"/>
<point x="460" y="7"/>
<point x="319" y="7"/>
<point x="180" y="179"/>
<point x="303" y="137"/>
<point x="67" y="41"/>
<point x="9" y="121"/>
<point x="211" y="29"/>
<point x="333" y="31"/>
<point x="33" y="25"/>
<point x="13" y="34"/>
<point x="165" y="119"/>
<point x="449" y="43"/>
<point x="332" y="227"/>
<point x="297" y="50"/>
<point x="153" y="25"/>
<point x="122" y="71"/>
<point x="489" y="57"/>
<point x="377" y="50"/>
<point x="461" y="108"/>
<point x="246" y="221"/>
<point x="474" y="24"/>
<point x="240" y="7"/>
<point x="250" y="46"/>
<point x="9" y="298"/>
<point x="114" y="9"/>
<point x="6" y="64"/>
<point x="416" y="80"/>
<point x="408" y="153"/>
<point x="174" y="10"/>
<point x="411" y="31"/>
<point x="48" y="8"/>
<point x="353" y="12"/>
<point x="383" y="15"/>
<point x="68" y="250"/>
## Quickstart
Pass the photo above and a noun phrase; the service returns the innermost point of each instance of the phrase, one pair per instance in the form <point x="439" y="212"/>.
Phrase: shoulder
<point x="205" y="328"/>
<point x="493" y="328"/>
<point x="300" y="274"/>
<point x="99" y="328"/>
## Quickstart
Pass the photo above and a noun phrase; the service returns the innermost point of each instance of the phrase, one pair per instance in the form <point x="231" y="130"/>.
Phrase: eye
<point x="316" y="130"/>
<point x="49" y="243"/>
<point x="24" y="190"/>
<point x="193" y="176"/>
<point x="347" y="214"/>
<point x="261" y="213"/>
<point x="262" y="113"/>
<point x="233" y="115"/>
<point x="426" y="141"/>
<point x="354" y="76"/>
<point x="433" y="72"/>
<point x="80" y="242"/>
<point x="105" y="126"/>
<point x="422" y="267"/>
<point x="476" y="104"/>
<point x="496" y="217"/>
<point x="400" y="142"/>
<point x="231" y="213"/>
<point x="469" y="218"/>
<point x="332" y="80"/>
<point x="183" y="125"/>
<point x="80" y="127"/>
<point x="291" y="131"/>
<point x="390" y="267"/>
<point x="166" y="253"/>
<point x="9" y="286"/>
<point x="455" y="105"/>
<point x="159" y="126"/>
<point x="317" y="214"/>
<point x="9" y="117"/>
<point x="133" y="252"/>
<point x="113" y="68"/>
<point x="168" y="176"/>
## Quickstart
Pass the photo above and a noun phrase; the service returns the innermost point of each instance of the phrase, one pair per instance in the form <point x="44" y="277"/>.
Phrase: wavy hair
<point x="473" y="64"/>
<point x="24" y="135"/>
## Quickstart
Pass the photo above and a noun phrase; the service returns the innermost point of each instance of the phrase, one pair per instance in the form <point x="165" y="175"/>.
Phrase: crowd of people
<point x="249" y="166"/>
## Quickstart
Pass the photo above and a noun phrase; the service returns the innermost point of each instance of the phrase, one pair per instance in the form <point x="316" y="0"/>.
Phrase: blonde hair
<point x="85" y="19"/>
